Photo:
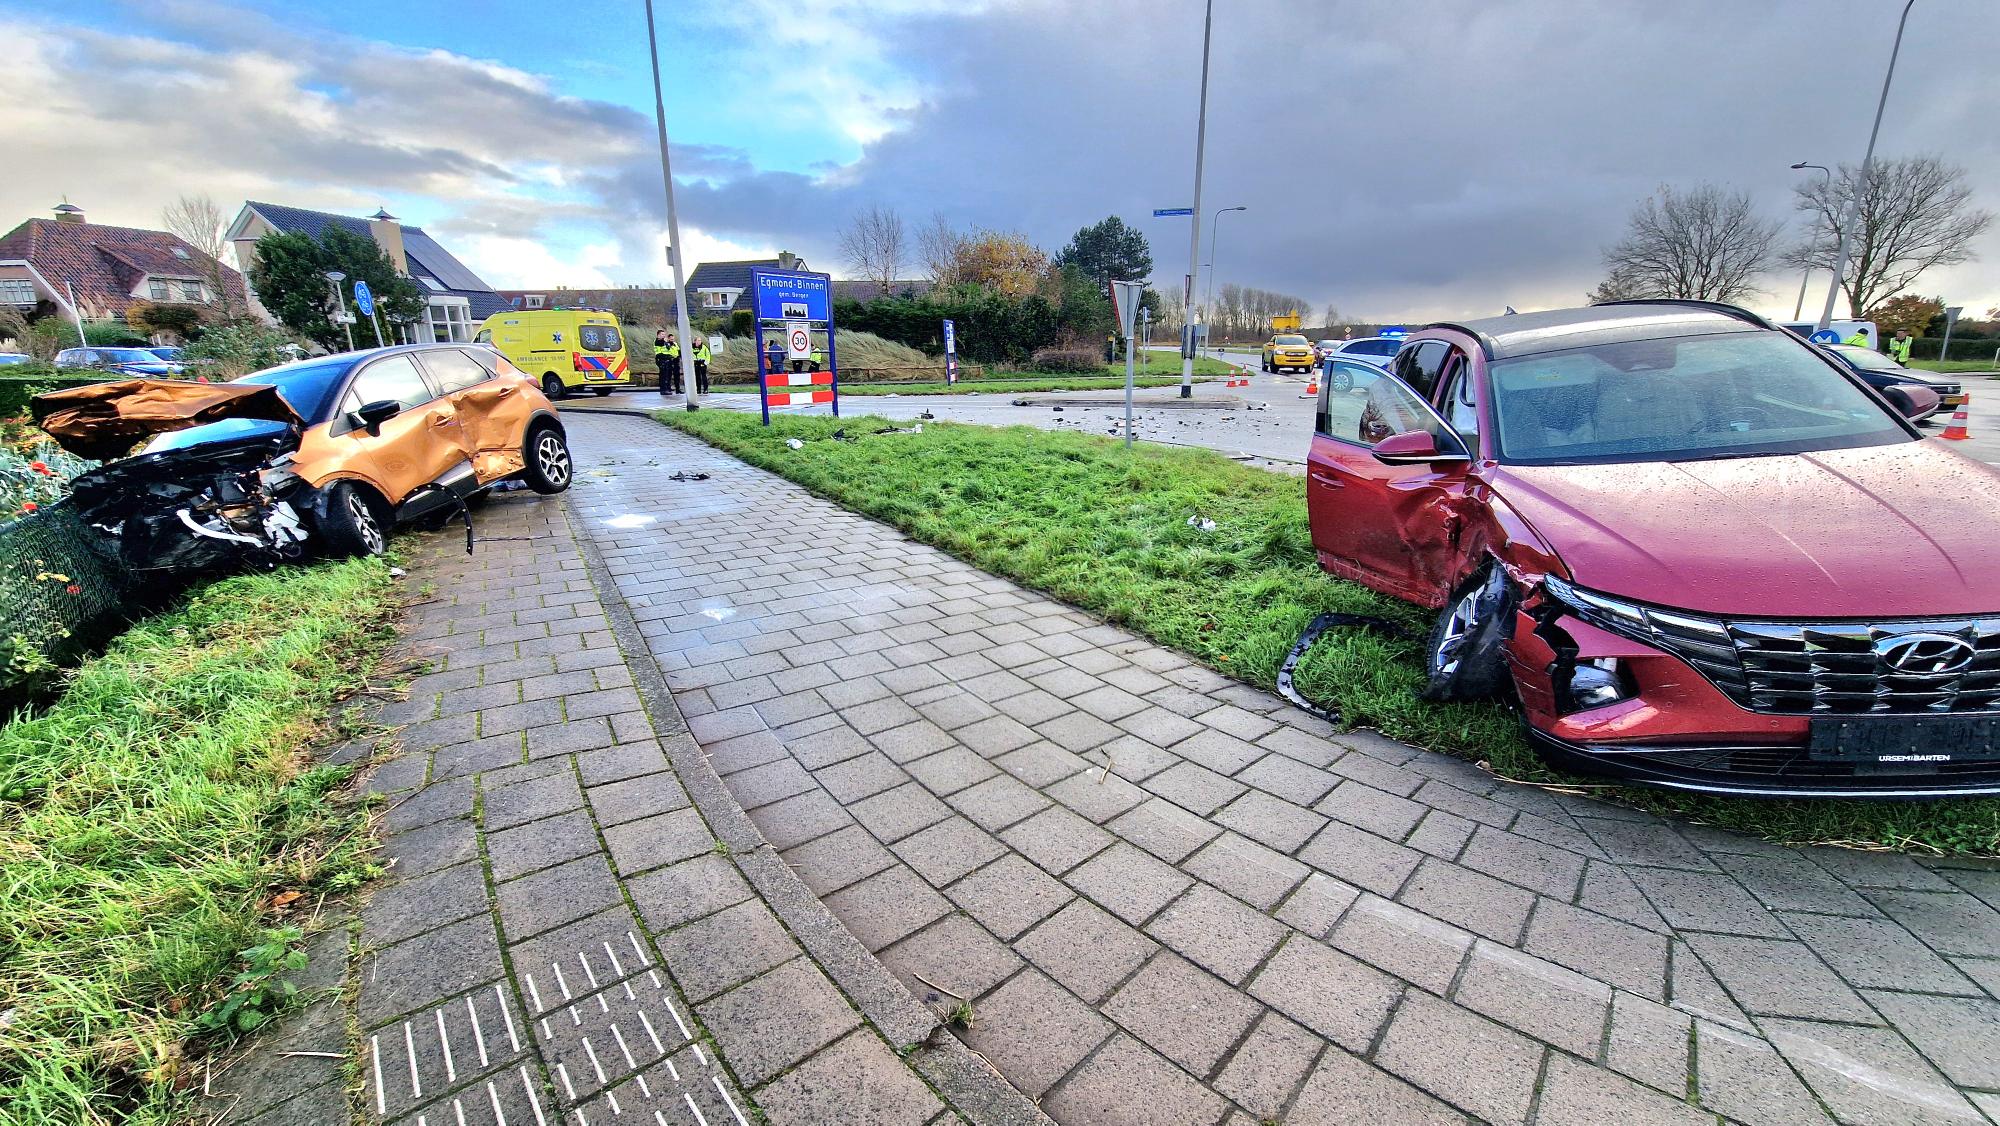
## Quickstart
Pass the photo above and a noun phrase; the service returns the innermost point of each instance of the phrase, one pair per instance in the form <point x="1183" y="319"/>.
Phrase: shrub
<point x="1068" y="361"/>
<point x="15" y="391"/>
<point x="239" y="349"/>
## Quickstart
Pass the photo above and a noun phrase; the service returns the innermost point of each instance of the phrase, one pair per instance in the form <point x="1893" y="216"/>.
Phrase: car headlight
<point x="1599" y="610"/>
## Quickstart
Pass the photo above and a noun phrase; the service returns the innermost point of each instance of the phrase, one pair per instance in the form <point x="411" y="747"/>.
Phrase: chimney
<point x="389" y="236"/>
<point x="787" y="260"/>
<point x="67" y="212"/>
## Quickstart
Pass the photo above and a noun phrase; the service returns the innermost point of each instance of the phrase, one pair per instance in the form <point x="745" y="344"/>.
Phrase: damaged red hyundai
<point x="1702" y="554"/>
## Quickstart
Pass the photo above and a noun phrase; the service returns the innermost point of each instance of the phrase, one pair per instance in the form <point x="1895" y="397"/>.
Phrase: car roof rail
<point x="1723" y="307"/>
<point x="1486" y="343"/>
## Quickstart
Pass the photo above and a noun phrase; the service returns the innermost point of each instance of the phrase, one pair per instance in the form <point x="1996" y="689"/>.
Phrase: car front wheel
<point x="1462" y="658"/>
<point x="549" y="468"/>
<point x="350" y="522"/>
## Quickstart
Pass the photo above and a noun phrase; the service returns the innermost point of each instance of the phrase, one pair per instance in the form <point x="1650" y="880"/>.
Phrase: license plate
<point x="1915" y="740"/>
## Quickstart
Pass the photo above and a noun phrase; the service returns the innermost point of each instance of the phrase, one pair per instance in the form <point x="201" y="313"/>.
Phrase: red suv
<point x="1705" y="555"/>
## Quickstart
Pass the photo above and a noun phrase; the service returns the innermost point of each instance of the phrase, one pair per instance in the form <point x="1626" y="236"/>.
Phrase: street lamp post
<point x="1861" y="183"/>
<point x="1194" y="216"/>
<point x="686" y="337"/>
<point x="1208" y="301"/>
<point x="1798" y="306"/>
<point x="333" y="280"/>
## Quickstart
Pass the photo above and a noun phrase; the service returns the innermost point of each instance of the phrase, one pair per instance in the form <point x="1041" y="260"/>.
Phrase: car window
<point x="1384" y="406"/>
<point x="454" y="370"/>
<point x="1418" y="364"/>
<point x="1373" y="347"/>
<point x="599" y="338"/>
<point x="1739" y="394"/>
<point x="1288" y="340"/>
<point x="1459" y="408"/>
<point x="392" y="377"/>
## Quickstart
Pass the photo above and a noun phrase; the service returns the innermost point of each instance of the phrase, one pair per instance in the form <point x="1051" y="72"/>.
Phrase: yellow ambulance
<point x="564" y="349"/>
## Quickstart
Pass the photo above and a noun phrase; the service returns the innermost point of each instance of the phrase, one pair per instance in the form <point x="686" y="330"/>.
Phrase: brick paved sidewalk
<point x="579" y="925"/>
<point x="1250" y="917"/>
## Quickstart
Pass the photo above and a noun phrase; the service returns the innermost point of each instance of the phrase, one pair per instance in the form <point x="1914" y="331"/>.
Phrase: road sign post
<point x="794" y="302"/>
<point x="364" y="300"/>
<point x="950" y="353"/>
<point x="1125" y="299"/>
<point x="1950" y="319"/>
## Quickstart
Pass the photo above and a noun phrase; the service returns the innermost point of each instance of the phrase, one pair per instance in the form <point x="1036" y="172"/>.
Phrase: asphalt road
<point x="1267" y="423"/>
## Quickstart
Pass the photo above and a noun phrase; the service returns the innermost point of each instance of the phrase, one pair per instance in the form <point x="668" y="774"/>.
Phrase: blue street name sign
<point x="364" y="299"/>
<point x="788" y="295"/>
<point x="1163" y="212"/>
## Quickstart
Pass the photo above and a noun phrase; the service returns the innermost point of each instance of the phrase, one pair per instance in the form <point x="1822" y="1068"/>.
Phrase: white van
<point x="1842" y="329"/>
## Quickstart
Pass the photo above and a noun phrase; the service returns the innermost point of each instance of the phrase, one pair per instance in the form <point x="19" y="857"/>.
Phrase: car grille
<point x="1836" y="668"/>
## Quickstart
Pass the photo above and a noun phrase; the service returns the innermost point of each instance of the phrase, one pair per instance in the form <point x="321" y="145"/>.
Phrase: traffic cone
<point x="1956" y="432"/>
<point x="1312" y="386"/>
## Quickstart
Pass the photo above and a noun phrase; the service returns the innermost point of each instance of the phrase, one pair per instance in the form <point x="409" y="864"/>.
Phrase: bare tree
<point x="1914" y="214"/>
<point x="939" y="246"/>
<point x="1623" y="284"/>
<point x="1706" y="243"/>
<point x="198" y="221"/>
<point x="874" y="247"/>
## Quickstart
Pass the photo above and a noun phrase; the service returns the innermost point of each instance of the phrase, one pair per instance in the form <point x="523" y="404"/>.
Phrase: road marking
<point x="613" y="1100"/>
<point x="654" y="1036"/>
<point x="620" y="1037"/>
<point x="673" y="1071"/>
<point x="580" y="1119"/>
<point x="493" y="1096"/>
<point x="511" y="1038"/>
<point x="562" y="1073"/>
<point x="444" y="1041"/>
<point x="534" y="1103"/>
<point x="655" y="975"/>
<point x="659" y="1118"/>
<point x="685" y="1034"/>
<point x="619" y="967"/>
<point x="587" y="971"/>
<point x="563" y="983"/>
<point x="724" y="1092"/>
<point x="375" y="1046"/>
<point x="592" y="1053"/>
<point x="697" y="1110"/>
<point x="638" y="951"/>
<point x="410" y="1047"/>
<point x="478" y="1034"/>
<point x="458" y="1108"/>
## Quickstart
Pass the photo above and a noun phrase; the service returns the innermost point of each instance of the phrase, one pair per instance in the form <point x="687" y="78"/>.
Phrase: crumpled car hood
<point x="1903" y="530"/>
<point x="105" y="420"/>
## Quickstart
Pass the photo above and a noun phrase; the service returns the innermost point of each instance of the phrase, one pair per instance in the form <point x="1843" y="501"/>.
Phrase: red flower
<point x="74" y="589"/>
<point x="41" y="468"/>
<point x="29" y="507"/>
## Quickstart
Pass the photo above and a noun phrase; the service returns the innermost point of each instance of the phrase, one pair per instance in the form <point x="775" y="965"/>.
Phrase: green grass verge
<point x="1015" y="386"/>
<point x="1078" y="517"/>
<point x="1969" y="367"/>
<point x="149" y="816"/>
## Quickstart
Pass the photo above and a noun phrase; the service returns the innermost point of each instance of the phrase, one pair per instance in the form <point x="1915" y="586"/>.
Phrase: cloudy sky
<point x="1403" y="159"/>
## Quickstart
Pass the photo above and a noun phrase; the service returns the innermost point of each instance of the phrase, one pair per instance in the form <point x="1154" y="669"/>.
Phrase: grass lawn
<point x="1074" y="515"/>
<point x="1156" y="372"/>
<point x="152" y="817"/>
<point x="1970" y="367"/>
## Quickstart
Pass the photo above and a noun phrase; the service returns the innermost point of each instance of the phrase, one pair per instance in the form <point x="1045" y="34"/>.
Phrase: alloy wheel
<point x="364" y="522"/>
<point x="552" y="458"/>
<point x="1457" y="628"/>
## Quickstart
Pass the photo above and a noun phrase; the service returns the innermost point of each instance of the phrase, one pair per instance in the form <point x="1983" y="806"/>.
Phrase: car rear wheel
<point x="601" y="391"/>
<point x="1462" y="659"/>
<point x="553" y="388"/>
<point x="549" y="468"/>
<point x="1339" y="380"/>
<point x="350" y="521"/>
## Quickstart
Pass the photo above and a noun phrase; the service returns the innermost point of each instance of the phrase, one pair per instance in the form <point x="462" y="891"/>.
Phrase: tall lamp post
<point x="1798" y="307"/>
<point x="1861" y="183"/>
<point x="1194" y="217"/>
<point x="1208" y="301"/>
<point x="686" y="337"/>
<point x="333" y="279"/>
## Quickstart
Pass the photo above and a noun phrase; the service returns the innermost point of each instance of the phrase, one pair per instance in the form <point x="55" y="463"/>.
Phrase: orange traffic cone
<point x="1312" y="386"/>
<point x="1956" y="432"/>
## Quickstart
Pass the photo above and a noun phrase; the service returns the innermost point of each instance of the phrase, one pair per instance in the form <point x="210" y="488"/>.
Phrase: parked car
<point x="1698" y="551"/>
<point x="1377" y="350"/>
<point x="126" y="361"/>
<point x="1344" y="374"/>
<point x="1879" y="371"/>
<point x="337" y="450"/>
<point x="11" y="359"/>
<point x="1326" y="348"/>
<point x="169" y="353"/>
<point x="1289" y="351"/>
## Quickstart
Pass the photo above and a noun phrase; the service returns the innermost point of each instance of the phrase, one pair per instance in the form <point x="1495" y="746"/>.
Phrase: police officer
<point x="663" y="359"/>
<point x="1859" y="339"/>
<point x="1899" y="348"/>
<point x="774" y="355"/>
<point x="670" y="369"/>
<point x="701" y="358"/>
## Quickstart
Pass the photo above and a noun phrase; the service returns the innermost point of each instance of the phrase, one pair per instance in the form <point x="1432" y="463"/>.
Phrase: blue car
<point x="10" y="359"/>
<point x="124" y="361"/>
<point x="1343" y="374"/>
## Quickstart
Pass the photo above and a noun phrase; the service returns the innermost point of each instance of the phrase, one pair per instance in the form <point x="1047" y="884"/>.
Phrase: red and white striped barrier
<point x="774" y="382"/>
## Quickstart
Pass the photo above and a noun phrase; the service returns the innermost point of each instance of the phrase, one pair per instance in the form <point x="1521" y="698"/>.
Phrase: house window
<point x="16" y="291"/>
<point x="450" y="321"/>
<point x="534" y="301"/>
<point x="156" y="289"/>
<point x="191" y="292"/>
<point x="714" y="299"/>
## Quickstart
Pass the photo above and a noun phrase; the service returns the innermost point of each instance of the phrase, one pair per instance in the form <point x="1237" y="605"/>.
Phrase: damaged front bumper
<point x="207" y="508"/>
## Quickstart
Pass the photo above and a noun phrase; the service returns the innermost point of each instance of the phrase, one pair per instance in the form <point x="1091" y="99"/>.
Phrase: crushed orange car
<point x="332" y="451"/>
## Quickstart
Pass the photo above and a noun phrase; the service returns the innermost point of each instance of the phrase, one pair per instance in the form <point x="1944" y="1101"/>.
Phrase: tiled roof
<point x="663" y="298"/>
<point x="427" y="259"/>
<point x="726" y="275"/>
<point x="104" y="264"/>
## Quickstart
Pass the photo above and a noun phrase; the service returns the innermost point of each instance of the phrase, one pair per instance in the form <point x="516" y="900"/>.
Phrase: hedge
<point x="16" y="390"/>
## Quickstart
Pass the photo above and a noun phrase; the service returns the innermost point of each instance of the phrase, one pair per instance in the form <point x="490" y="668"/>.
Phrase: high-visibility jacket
<point x="701" y="353"/>
<point x="1858" y="340"/>
<point x="1900" y="349"/>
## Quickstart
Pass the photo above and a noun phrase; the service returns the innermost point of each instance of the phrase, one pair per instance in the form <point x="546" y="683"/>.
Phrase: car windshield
<point x="1738" y="394"/>
<point x="128" y="355"/>
<point x="1288" y="340"/>
<point x="1867" y="359"/>
<point x="166" y="353"/>
<point x="308" y="387"/>
<point x="10" y="359"/>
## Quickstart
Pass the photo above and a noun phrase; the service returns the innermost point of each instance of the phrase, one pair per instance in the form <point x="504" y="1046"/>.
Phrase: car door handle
<point x="1326" y="479"/>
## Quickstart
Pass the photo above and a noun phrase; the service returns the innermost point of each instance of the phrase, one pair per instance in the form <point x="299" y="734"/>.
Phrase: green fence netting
<point x="58" y="597"/>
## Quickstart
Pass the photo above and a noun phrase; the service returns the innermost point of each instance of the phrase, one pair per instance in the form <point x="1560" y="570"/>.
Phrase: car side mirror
<point x="1913" y="402"/>
<point x="373" y="415"/>
<point x="1412" y="447"/>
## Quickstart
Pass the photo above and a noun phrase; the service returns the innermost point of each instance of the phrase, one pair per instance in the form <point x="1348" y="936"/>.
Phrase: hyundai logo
<point x="1924" y="654"/>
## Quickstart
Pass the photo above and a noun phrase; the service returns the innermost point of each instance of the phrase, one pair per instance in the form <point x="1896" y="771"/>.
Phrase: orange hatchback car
<point x="335" y="451"/>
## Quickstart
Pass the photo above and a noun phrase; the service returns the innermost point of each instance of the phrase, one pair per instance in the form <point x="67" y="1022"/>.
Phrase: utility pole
<point x="1861" y="183"/>
<point x="1208" y="301"/>
<point x="686" y="336"/>
<point x="334" y="278"/>
<point x="1194" y="219"/>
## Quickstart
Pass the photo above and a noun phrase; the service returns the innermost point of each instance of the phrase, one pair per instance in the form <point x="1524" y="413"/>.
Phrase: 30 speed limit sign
<point x="798" y="340"/>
